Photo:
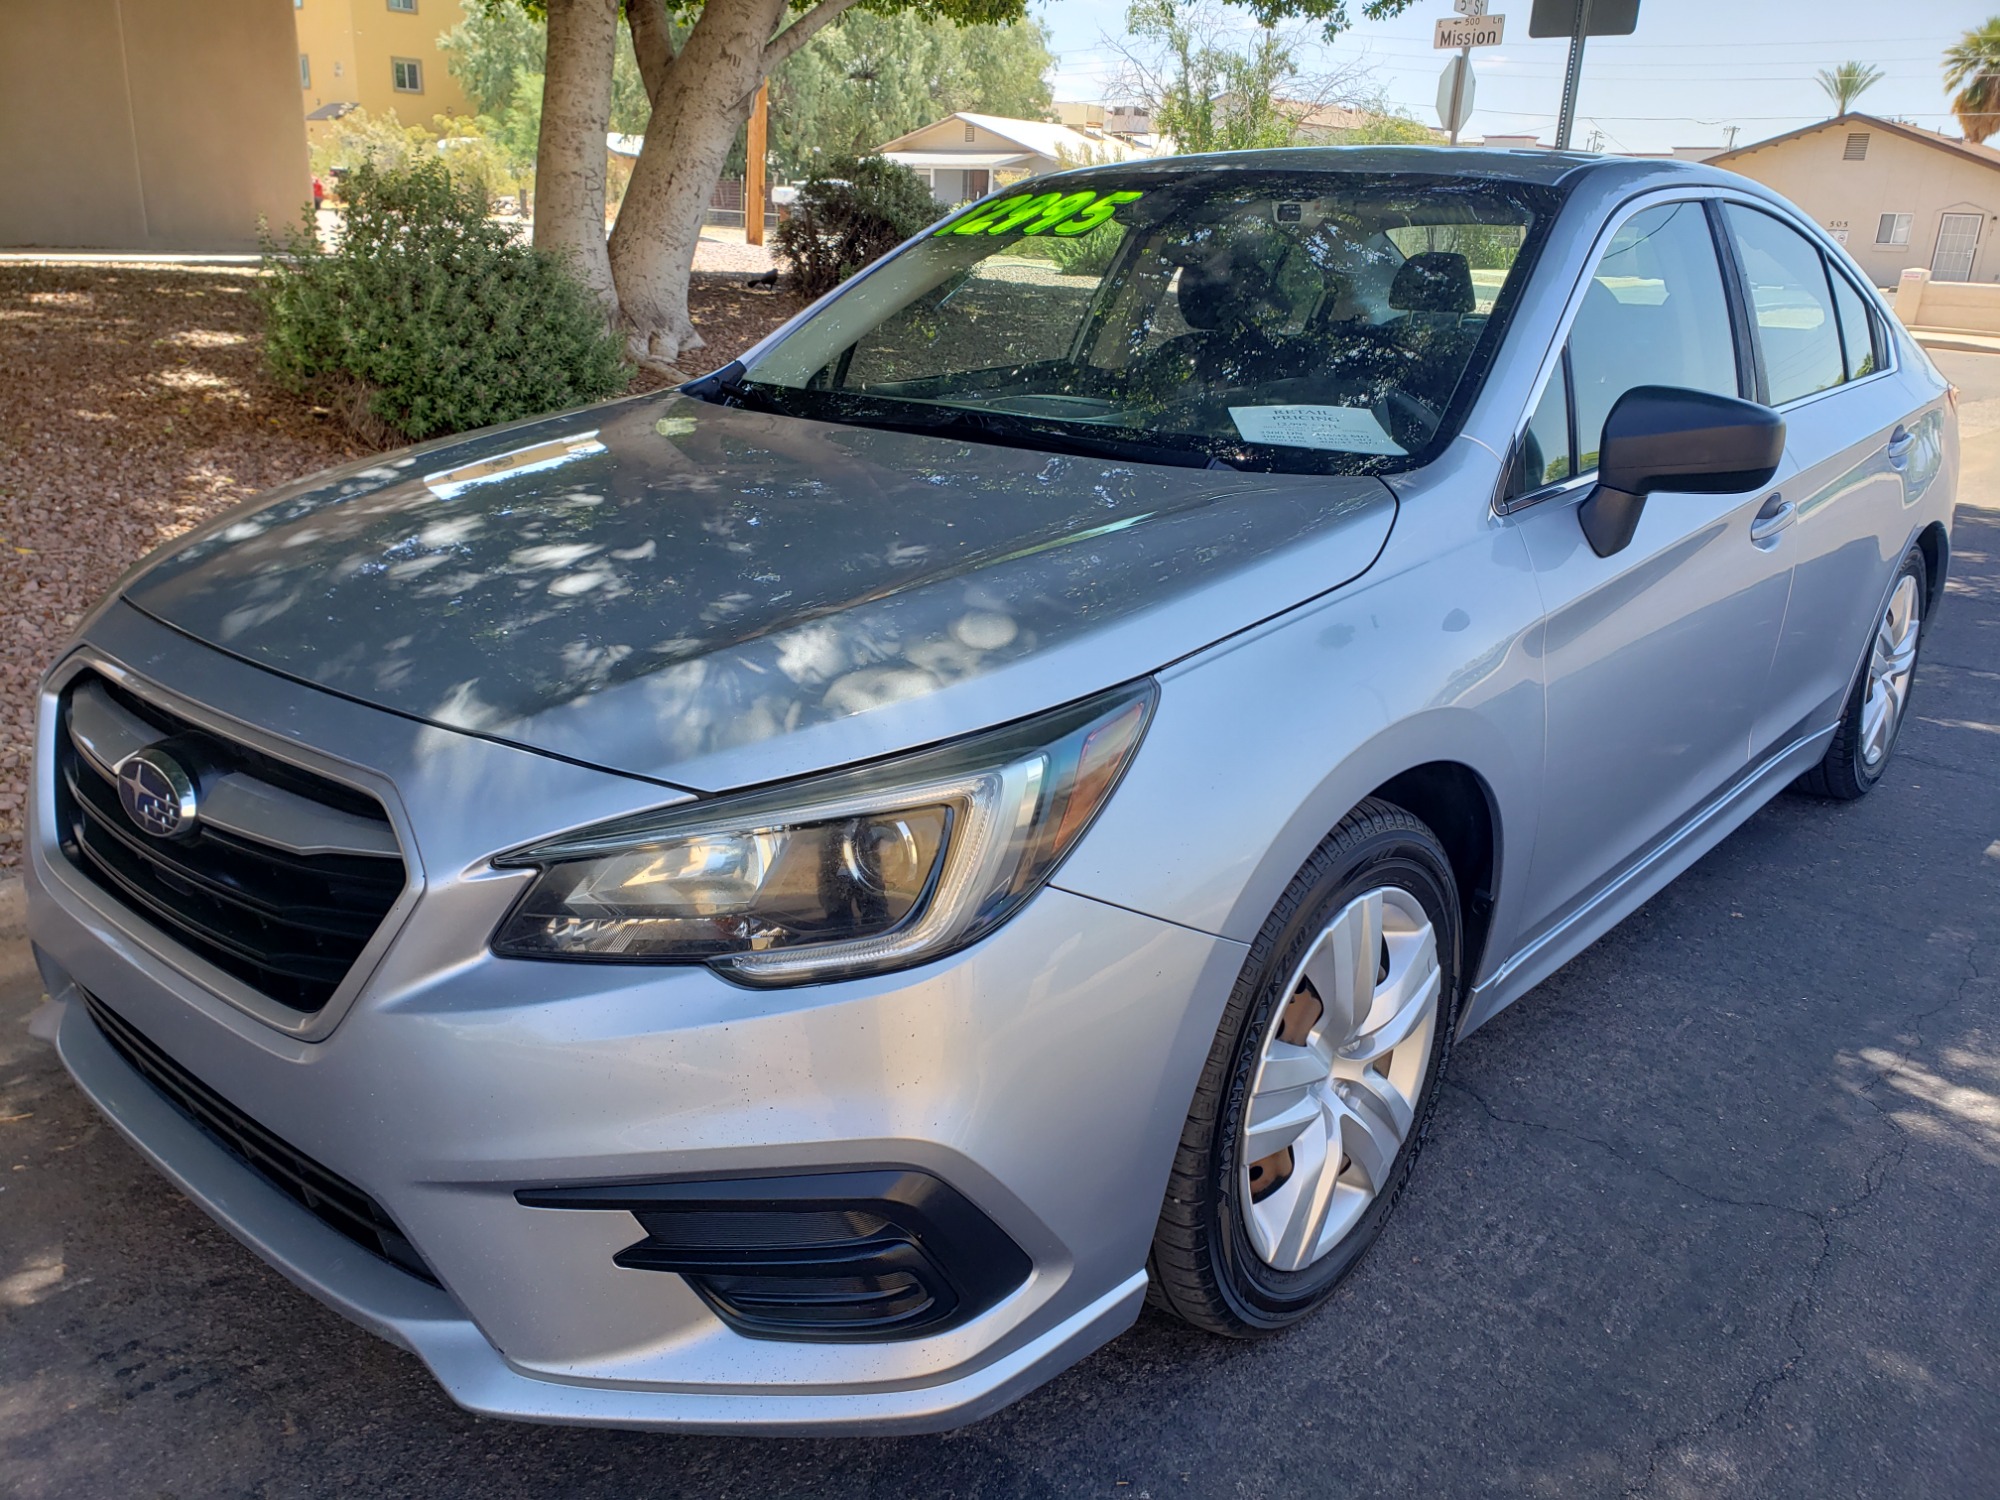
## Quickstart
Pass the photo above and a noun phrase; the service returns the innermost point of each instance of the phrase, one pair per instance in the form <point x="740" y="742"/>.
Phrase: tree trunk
<point x="705" y="98"/>
<point x="570" y="154"/>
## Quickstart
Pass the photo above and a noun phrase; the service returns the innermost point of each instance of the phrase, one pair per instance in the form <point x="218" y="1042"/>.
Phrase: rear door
<point x="1656" y="658"/>
<point x="1821" y="355"/>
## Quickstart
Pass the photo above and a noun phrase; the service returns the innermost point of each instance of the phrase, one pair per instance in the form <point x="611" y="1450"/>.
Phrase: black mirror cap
<point x="1662" y="437"/>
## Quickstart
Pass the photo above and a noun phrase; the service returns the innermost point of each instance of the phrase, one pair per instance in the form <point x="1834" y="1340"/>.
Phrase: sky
<point x="1692" y="69"/>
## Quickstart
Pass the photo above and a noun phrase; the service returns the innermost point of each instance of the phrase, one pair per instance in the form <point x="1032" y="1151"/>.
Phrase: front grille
<point x="287" y="923"/>
<point x="329" y="1197"/>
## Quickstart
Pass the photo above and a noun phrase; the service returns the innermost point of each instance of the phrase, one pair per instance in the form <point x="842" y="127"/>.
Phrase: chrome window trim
<point x="186" y="963"/>
<point x="1637" y="204"/>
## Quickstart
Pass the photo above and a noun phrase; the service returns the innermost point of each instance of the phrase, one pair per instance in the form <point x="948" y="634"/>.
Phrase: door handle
<point x="1776" y="514"/>
<point x="1900" y="443"/>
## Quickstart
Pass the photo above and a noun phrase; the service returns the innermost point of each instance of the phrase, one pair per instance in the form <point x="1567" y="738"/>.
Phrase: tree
<point x="1208" y="91"/>
<point x="497" y="45"/>
<point x="869" y="78"/>
<point x="1972" y="68"/>
<point x="702" y="62"/>
<point x="1847" y="83"/>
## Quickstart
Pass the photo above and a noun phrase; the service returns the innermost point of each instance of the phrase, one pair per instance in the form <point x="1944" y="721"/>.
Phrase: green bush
<point x="854" y="210"/>
<point x="1087" y="254"/>
<point x="427" y="318"/>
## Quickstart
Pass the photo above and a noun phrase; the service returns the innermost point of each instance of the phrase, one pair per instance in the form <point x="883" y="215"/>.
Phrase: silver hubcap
<point x="1335" y="1092"/>
<point x="1890" y="667"/>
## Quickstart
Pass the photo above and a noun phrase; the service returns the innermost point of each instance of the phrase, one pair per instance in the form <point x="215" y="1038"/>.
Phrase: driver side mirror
<point x="1661" y="437"/>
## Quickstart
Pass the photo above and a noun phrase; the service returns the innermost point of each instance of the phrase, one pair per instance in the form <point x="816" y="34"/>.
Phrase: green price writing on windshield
<point x="1043" y="213"/>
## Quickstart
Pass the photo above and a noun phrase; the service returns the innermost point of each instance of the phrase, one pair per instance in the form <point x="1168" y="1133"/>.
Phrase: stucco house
<point x="1896" y="195"/>
<point x="155" y="125"/>
<point x="965" y="156"/>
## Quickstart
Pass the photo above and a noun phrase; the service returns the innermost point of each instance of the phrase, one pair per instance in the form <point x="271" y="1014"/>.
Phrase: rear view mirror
<point x="1661" y="437"/>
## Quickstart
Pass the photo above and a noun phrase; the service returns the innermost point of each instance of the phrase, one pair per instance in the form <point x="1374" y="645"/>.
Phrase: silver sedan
<point x="800" y="903"/>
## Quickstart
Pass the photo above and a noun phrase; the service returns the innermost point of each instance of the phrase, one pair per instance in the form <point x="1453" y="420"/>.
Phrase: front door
<point x="1957" y="242"/>
<point x="1656" y="658"/>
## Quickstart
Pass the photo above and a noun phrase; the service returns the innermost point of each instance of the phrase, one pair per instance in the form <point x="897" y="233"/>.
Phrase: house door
<point x="1958" y="238"/>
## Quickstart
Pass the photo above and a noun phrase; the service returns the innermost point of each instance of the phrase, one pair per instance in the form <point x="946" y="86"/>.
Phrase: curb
<point x="1958" y="343"/>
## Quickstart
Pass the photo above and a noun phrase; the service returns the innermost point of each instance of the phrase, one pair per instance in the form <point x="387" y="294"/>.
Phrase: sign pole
<point x="1572" y="76"/>
<point x="753" y="167"/>
<point x="1458" y="89"/>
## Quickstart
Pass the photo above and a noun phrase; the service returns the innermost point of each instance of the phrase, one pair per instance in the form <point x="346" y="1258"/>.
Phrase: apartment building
<point x="379" y="54"/>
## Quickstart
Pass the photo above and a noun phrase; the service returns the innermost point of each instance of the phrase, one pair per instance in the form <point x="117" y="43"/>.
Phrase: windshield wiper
<point x="1008" y="431"/>
<point x="727" y="386"/>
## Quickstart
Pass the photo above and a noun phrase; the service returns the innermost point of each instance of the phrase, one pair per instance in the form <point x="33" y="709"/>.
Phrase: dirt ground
<point x="134" y="405"/>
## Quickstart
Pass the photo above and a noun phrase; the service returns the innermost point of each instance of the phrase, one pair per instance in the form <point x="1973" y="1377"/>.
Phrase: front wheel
<point x="1320" y="1085"/>
<point x="1873" y="714"/>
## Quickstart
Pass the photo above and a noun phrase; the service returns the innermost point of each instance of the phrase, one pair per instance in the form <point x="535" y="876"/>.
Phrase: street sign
<point x="1579" y="20"/>
<point x="1455" y="94"/>
<point x="1607" y="18"/>
<point x="1456" y="32"/>
<point x="1469" y="7"/>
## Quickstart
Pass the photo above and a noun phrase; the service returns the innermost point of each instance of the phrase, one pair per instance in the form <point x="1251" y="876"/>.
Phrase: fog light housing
<point x="883" y="1254"/>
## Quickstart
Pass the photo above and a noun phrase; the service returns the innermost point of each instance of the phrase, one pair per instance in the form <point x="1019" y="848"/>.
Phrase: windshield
<point x="1322" y="322"/>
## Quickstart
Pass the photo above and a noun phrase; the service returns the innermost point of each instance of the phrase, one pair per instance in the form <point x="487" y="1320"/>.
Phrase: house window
<point x="1857" y="146"/>
<point x="970" y="133"/>
<point x="1893" y="229"/>
<point x="305" y="71"/>
<point x="409" y="75"/>
<point x="407" y="7"/>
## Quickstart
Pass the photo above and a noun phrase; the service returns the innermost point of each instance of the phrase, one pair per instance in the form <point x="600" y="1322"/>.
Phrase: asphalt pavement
<point x="1713" y="1212"/>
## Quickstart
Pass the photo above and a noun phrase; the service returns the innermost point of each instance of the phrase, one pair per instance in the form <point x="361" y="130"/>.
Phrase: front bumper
<point x="1043" y="1074"/>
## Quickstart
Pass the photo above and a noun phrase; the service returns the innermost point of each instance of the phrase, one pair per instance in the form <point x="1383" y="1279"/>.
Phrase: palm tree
<point x="1847" y="83"/>
<point x="1972" y="67"/>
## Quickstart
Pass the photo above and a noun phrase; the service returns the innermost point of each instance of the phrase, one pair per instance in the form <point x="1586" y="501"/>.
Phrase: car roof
<point x="1548" y="168"/>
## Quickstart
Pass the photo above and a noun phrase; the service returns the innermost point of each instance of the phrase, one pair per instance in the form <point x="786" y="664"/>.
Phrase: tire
<point x="1208" y="1264"/>
<point x="1858" y="755"/>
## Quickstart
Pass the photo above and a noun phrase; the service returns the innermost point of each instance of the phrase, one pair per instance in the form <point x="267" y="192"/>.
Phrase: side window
<point x="1653" y="314"/>
<point x="1857" y="329"/>
<point x="1790" y="304"/>
<point x="1543" y="456"/>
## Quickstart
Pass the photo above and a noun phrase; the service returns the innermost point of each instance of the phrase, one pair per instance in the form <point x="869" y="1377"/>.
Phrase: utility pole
<point x="753" y="166"/>
<point x="1732" y="129"/>
<point x="1573" y="75"/>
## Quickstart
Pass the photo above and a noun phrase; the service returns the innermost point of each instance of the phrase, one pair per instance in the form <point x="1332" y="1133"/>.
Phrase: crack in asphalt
<point x="1804" y="1306"/>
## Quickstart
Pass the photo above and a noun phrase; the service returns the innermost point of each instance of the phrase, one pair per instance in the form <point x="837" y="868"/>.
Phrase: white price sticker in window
<point x="1341" y="429"/>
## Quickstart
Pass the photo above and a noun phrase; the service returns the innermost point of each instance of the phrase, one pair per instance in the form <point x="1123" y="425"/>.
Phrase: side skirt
<point x="1641" y="880"/>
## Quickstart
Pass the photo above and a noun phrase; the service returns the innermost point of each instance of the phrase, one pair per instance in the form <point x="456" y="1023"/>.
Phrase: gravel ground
<point x="134" y="405"/>
<point x="723" y="248"/>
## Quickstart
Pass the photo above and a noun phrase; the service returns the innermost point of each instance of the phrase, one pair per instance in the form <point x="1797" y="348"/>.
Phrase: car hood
<point x="713" y="597"/>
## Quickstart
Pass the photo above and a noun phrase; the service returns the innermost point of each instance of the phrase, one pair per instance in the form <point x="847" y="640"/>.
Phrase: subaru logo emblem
<point x="157" y="793"/>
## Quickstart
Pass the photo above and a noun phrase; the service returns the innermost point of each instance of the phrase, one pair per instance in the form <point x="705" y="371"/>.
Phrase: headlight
<point x="852" y="873"/>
